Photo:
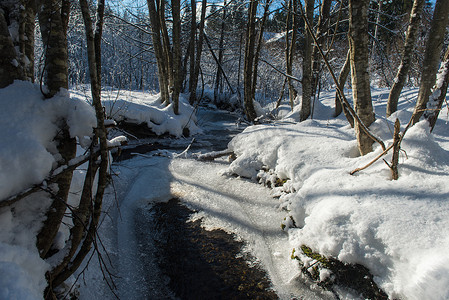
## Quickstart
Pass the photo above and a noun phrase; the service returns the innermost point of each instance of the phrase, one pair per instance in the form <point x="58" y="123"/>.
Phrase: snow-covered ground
<point x="146" y="107"/>
<point x="398" y="229"/>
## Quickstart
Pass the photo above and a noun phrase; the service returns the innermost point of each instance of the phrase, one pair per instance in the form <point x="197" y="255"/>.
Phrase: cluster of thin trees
<point x="283" y="49"/>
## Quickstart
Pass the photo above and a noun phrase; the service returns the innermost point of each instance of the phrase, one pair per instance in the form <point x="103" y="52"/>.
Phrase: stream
<point x="176" y="228"/>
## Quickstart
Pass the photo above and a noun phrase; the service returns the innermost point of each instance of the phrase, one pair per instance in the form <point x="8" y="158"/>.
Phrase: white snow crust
<point x="144" y="107"/>
<point x="28" y="153"/>
<point x="398" y="229"/>
<point x="28" y="125"/>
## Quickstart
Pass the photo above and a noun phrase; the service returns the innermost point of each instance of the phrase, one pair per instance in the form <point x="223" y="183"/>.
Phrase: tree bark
<point x="220" y="54"/>
<point x="10" y="68"/>
<point x="432" y="56"/>
<point x="177" y="80"/>
<point x="248" y="97"/>
<point x="290" y="47"/>
<point x="322" y="25"/>
<point x="439" y="94"/>
<point x="90" y="232"/>
<point x="159" y="52"/>
<point x="342" y="77"/>
<point x="17" y="51"/>
<point x="168" y="55"/>
<point x="259" y="47"/>
<point x="407" y="54"/>
<point x="47" y="234"/>
<point x="361" y="91"/>
<point x="193" y="81"/>
<point x="53" y="21"/>
<point x="306" y="103"/>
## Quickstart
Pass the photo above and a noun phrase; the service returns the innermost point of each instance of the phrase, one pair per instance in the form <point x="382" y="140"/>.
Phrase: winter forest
<point x="235" y="149"/>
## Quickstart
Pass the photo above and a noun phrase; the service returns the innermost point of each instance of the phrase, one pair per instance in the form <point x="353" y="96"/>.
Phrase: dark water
<point x="196" y="263"/>
<point x="201" y="264"/>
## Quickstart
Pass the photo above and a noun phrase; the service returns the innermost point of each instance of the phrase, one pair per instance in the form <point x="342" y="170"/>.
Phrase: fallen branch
<point x="373" y="161"/>
<point x="215" y="154"/>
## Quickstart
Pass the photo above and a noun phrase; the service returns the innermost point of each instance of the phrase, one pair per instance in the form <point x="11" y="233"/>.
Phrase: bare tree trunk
<point x="26" y="37"/>
<point x="192" y="43"/>
<point x="322" y="25"/>
<point x="220" y="54"/>
<point x="306" y="103"/>
<point x="17" y="51"/>
<point x="259" y="47"/>
<point x="10" y="69"/>
<point x="177" y="80"/>
<point x="290" y="47"/>
<point x="376" y="27"/>
<point x="168" y="55"/>
<point x="342" y="77"/>
<point x="93" y="40"/>
<point x="407" y="54"/>
<point x="432" y="56"/>
<point x="249" y="61"/>
<point x="159" y="51"/>
<point x="53" y="20"/>
<point x="439" y="94"/>
<point x="47" y="234"/>
<point x="193" y="82"/>
<point x="361" y="91"/>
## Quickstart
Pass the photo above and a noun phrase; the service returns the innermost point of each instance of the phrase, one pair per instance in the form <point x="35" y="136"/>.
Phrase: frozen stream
<point x="237" y="206"/>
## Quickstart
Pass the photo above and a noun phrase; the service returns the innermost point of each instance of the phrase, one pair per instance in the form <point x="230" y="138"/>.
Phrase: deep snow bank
<point x="398" y="229"/>
<point x="27" y="155"/>
<point x="145" y="107"/>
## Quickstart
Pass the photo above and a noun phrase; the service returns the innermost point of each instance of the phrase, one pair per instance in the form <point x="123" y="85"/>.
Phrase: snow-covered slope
<point x="145" y="107"/>
<point x="398" y="229"/>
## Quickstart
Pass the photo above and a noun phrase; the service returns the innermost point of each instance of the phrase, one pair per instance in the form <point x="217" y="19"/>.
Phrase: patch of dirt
<point x="203" y="264"/>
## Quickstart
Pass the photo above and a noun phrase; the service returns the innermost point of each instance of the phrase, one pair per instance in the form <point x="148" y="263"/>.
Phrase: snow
<point x="398" y="229"/>
<point x="144" y="107"/>
<point x="29" y="124"/>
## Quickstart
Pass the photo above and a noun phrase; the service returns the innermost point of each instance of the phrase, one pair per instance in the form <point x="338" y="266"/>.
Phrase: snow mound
<point x="139" y="107"/>
<point x="398" y="229"/>
<point x="28" y="125"/>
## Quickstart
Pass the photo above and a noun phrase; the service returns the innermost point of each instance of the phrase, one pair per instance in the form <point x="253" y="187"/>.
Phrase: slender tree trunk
<point x="322" y="25"/>
<point x="376" y="27"/>
<point x="249" y="61"/>
<point x="168" y="55"/>
<point x="439" y="94"/>
<point x="295" y="24"/>
<point x="177" y="80"/>
<point x="93" y="39"/>
<point x="193" y="82"/>
<point x="17" y="52"/>
<point x="432" y="56"/>
<point x="192" y="44"/>
<point x="407" y="54"/>
<point x="259" y="47"/>
<point x="159" y="51"/>
<point x="306" y="104"/>
<point x="10" y="69"/>
<point x="342" y="78"/>
<point x="361" y="91"/>
<point x="53" y="20"/>
<point x="220" y="54"/>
